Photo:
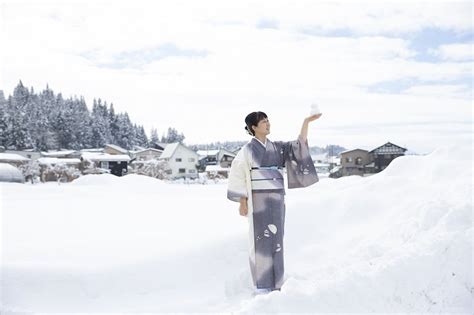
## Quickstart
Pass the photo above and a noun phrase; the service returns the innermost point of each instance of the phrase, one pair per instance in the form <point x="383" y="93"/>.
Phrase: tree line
<point x="48" y="121"/>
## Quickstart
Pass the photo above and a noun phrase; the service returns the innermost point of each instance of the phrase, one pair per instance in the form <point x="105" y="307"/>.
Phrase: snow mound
<point x="397" y="241"/>
<point x="109" y="179"/>
<point x="97" y="179"/>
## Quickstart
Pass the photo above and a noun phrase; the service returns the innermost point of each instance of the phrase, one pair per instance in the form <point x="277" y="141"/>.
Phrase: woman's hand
<point x="243" y="208"/>
<point x="304" y="128"/>
<point x="313" y="117"/>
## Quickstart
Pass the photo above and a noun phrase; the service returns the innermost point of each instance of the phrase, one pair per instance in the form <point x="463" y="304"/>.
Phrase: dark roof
<point x="388" y="148"/>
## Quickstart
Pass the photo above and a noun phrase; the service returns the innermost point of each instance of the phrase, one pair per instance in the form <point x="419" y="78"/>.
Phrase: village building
<point x="116" y="164"/>
<point x="29" y="154"/>
<point x="13" y="159"/>
<point x="221" y="157"/>
<point x="353" y="162"/>
<point x="362" y="162"/>
<point x="383" y="155"/>
<point x="182" y="161"/>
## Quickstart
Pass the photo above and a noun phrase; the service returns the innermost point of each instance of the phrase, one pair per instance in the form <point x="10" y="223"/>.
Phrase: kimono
<point x="257" y="174"/>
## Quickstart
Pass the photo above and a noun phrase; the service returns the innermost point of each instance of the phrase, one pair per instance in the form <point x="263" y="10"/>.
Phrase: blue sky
<point x="381" y="71"/>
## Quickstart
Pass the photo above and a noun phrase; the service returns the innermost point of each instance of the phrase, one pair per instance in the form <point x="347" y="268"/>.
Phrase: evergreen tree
<point x="172" y="136"/>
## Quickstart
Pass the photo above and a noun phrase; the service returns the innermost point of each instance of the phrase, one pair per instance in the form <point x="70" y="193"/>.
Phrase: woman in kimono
<point x="256" y="182"/>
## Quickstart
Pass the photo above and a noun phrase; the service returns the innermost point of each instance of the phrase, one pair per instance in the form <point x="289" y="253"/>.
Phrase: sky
<point x="398" y="71"/>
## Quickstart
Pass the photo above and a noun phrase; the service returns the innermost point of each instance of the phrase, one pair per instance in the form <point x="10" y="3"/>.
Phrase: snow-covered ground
<point x="397" y="241"/>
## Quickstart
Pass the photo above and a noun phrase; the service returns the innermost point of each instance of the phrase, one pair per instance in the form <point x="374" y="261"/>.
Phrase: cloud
<point x="141" y="57"/>
<point x="202" y="66"/>
<point x="455" y="52"/>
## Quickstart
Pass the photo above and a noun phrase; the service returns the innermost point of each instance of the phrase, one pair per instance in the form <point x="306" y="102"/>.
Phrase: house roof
<point x="12" y="157"/>
<point x="106" y="157"/>
<point x="58" y="153"/>
<point x="149" y="149"/>
<point x="388" y="148"/>
<point x="171" y="148"/>
<point x="207" y="152"/>
<point x="53" y="161"/>
<point x="347" y="151"/>
<point x="223" y="152"/>
<point x="118" y="148"/>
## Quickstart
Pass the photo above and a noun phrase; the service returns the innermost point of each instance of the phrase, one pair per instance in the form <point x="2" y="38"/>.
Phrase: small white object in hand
<point x="315" y="109"/>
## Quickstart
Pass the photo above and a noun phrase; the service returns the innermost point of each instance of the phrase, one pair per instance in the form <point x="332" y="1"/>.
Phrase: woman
<point x="256" y="182"/>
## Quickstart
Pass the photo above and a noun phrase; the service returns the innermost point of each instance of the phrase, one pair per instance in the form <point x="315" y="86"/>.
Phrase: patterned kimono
<point x="257" y="174"/>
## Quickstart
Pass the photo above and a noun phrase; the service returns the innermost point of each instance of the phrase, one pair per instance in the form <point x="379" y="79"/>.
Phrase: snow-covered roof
<point x="171" y="148"/>
<point x="117" y="148"/>
<point x="93" y="150"/>
<point x="207" y="152"/>
<point x="215" y="168"/>
<point x="53" y="161"/>
<point x="12" y="157"/>
<point x="9" y="173"/>
<point x="105" y="157"/>
<point x="57" y="153"/>
<point x="321" y="164"/>
<point x="145" y="150"/>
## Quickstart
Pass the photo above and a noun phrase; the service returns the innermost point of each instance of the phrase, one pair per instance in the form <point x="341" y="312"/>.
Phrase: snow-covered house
<point x="117" y="164"/>
<point x="30" y="153"/>
<point x="221" y="157"/>
<point x="353" y="161"/>
<point x="182" y="161"/>
<point x="383" y="155"/>
<point x="13" y="159"/>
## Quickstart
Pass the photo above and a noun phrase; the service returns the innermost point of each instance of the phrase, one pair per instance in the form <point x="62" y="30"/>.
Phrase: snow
<point x="53" y="161"/>
<point x="397" y="241"/>
<point x="105" y="157"/>
<point x="12" y="157"/>
<point x="9" y="173"/>
<point x="207" y="152"/>
<point x="315" y="109"/>
<point x="53" y="154"/>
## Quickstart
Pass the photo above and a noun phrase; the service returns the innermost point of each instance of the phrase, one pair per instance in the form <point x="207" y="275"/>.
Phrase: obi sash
<point x="267" y="178"/>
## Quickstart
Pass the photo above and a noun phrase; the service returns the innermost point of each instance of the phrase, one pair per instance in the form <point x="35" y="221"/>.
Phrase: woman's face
<point x="263" y="127"/>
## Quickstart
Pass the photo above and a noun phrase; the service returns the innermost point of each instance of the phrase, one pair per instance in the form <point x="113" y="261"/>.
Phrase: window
<point x="358" y="160"/>
<point x="349" y="159"/>
<point x="104" y="164"/>
<point x="191" y="160"/>
<point x="178" y="159"/>
<point x="192" y="171"/>
<point x="182" y="170"/>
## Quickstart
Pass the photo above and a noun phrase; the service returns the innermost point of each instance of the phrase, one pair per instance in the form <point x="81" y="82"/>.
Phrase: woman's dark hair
<point x="252" y="119"/>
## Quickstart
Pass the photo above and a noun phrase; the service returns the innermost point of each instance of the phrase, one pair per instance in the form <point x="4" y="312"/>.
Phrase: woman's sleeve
<point x="237" y="185"/>
<point x="299" y="165"/>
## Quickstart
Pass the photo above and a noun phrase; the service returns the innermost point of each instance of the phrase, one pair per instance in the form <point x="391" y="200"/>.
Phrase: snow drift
<point x="397" y="241"/>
